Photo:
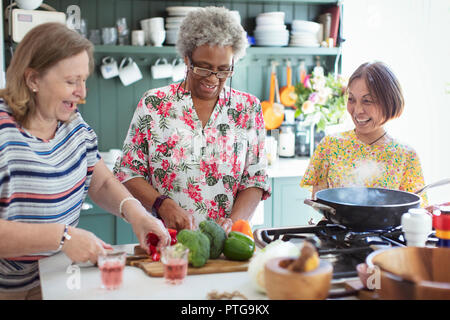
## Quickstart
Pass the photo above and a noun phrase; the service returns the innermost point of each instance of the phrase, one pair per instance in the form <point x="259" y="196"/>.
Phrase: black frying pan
<point x="364" y="209"/>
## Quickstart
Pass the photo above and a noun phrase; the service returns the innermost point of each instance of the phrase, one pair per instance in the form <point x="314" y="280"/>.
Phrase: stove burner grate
<point x="344" y="248"/>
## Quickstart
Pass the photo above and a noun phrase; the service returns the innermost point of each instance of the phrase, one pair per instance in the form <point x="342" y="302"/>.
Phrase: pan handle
<point x="320" y="206"/>
<point x="434" y="184"/>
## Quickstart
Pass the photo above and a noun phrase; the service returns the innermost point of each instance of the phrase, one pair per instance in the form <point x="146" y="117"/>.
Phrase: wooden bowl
<point x="412" y="273"/>
<point x="283" y="284"/>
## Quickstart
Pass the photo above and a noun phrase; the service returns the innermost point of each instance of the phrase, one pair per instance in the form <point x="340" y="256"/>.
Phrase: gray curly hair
<point x="215" y="26"/>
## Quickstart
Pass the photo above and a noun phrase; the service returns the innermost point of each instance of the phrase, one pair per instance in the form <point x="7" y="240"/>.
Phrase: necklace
<point x="377" y="139"/>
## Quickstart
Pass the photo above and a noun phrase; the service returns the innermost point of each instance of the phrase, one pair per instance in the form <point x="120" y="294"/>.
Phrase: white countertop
<point x="288" y="167"/>
<point x="60" y="281"/>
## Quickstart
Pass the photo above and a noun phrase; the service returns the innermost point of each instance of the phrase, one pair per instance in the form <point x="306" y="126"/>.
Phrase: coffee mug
<point x="178" y="69"/>
<point x="138" y="38"/>
<point x="109" y="68"/>
<point x="129" y="71"/>
<point x="162" y="70"/>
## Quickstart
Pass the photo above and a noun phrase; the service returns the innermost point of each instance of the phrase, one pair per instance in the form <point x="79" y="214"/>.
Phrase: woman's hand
<point x="84" y="246"/>
<point x="175" y="217"/>
<point x="225" y="223"/>
<point x="143" y="224"/>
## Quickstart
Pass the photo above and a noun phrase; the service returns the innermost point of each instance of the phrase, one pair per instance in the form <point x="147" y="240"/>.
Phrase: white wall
<point x="413" y="38"/>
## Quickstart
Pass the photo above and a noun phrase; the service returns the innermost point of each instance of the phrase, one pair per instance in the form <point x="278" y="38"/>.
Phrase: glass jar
<point x="286" y="143"/>
<point x="302" y="139"/>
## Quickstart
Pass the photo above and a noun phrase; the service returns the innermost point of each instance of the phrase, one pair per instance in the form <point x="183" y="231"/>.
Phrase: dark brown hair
<point x="41" y="48"/>
<point x="383" y="86"/>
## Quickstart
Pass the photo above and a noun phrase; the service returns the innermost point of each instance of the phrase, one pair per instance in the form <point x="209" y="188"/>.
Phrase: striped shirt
<point x="41" y="182"/>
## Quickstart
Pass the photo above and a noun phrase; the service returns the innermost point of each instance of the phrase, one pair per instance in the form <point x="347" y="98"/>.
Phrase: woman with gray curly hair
<point x="195" y="149"/>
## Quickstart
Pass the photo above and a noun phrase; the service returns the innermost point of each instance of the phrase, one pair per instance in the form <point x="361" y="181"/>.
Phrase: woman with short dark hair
<point x="367" y="156"/>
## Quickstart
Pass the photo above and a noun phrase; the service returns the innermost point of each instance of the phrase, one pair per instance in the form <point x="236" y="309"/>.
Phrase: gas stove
<point x="342" y="247"/>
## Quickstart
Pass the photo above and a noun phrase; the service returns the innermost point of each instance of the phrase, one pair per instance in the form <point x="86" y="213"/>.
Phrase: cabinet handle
<point x="86" y="206"/>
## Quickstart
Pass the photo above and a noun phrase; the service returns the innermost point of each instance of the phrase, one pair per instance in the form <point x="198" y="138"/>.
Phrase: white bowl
<point x="270" y="34"/>
<point x="180" y="11"/>
<point x="305" y="26"/>
<point x="29" y="4"/>
<point x="264" y="20"/>
<point x="303" y="34"/>
<point x="270" y="27"/>
<point x="171" y="36"/>
<point x="273" y="14"/>
<point x="172" y="32"/>
<point x="174" y="19"/>
<point x="272" y="43"/>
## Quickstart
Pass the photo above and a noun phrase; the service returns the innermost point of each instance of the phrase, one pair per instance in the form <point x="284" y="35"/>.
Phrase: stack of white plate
<point x="270" y="30"/>
<point x="173" y="22"/>
<point x="305" y="34"/>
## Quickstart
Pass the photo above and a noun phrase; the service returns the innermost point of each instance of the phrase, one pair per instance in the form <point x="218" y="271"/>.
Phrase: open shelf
<point x="251" y="50"/>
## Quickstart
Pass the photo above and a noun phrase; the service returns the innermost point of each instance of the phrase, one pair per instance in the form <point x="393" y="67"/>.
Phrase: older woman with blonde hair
<point x="49" y="162"/>
<point x="195" y="149"/>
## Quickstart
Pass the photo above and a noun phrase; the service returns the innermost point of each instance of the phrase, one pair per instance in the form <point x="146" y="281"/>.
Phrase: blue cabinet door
<point x="105" y="225"/>
<point x="124" y="233"/>
<point x="98" y="221"/>
<point x="288" y="208"/>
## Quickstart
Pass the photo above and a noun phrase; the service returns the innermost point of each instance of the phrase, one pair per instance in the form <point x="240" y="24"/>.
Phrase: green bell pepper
<point x="238" y="246"/>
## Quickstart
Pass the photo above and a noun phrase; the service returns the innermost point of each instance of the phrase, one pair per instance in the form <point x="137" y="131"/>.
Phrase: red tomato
<point x="156" y="256"/>
<point x="152" y="239"/>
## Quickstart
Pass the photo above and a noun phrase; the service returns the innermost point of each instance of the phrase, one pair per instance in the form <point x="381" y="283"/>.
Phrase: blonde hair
<point x="41" y="48"/>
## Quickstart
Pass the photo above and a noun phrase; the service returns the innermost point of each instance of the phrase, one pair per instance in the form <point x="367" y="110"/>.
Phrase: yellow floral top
<point x="341" y="160"/>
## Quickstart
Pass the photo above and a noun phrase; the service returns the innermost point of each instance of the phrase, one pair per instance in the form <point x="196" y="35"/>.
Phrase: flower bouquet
<point x="321" y="100"/>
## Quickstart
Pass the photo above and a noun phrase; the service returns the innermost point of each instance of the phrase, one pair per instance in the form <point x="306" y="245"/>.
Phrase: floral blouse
<point x="202" y="169"/>
<point x="342" y="160"/>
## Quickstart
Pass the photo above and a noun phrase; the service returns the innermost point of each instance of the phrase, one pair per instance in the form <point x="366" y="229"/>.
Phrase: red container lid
<point x="441" y="221"/>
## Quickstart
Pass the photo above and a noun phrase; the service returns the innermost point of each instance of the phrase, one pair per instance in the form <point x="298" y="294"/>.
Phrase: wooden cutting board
<point x="156" y="269"/>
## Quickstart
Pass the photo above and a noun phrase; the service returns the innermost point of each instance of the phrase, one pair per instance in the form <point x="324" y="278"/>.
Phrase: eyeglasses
<point x="202" y="72"/>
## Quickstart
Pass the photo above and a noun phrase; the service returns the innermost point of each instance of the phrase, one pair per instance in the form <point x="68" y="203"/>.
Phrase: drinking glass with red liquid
<point x="175" y="261"/>
<point x="111" y="268"/>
